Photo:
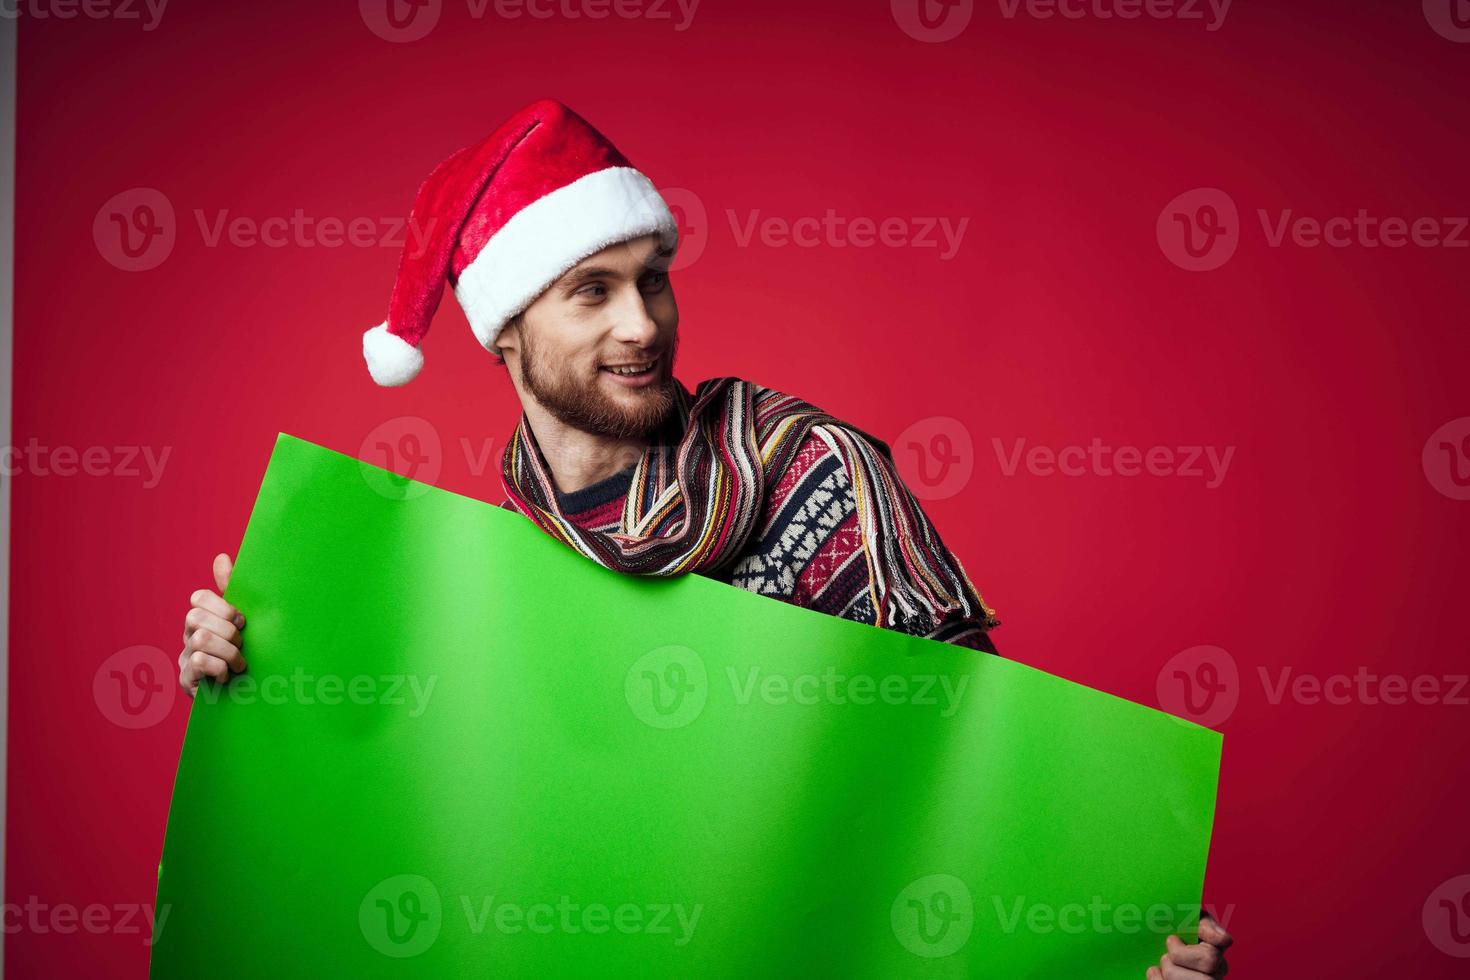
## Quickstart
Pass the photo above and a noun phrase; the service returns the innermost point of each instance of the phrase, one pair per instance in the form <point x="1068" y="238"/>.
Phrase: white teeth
<point x="636" y="369"/>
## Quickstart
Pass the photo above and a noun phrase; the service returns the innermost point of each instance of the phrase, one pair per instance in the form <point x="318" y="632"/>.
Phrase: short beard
<point x="588" y="408"/>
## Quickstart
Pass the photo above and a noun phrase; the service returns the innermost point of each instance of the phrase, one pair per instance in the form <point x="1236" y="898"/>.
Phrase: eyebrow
<point x="658" y="262"/>
<point x="582" y="274"/>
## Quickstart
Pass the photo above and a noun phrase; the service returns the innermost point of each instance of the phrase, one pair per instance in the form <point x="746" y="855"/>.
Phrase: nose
<point x="634" y="324"/>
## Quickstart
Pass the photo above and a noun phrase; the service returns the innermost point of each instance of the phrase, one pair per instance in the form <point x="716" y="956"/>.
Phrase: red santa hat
<point x="504" y="219"/>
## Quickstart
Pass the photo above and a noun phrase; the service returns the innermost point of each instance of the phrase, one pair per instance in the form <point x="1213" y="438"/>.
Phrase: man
<point x="558" y="251"/>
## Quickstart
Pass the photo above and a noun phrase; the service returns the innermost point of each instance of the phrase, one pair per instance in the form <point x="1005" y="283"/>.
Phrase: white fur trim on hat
<point x="548" y="236"/>
<point x="391" y="360"/>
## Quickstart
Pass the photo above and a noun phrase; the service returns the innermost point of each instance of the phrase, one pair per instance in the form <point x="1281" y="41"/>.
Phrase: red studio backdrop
<point x="1163" y="315"/>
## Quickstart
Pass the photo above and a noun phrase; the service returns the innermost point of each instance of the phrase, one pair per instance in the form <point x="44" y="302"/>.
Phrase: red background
<point x="1324" y="549"/>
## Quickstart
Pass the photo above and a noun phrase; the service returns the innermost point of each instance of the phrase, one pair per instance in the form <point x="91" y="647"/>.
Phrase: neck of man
<point x="578" y="458"/>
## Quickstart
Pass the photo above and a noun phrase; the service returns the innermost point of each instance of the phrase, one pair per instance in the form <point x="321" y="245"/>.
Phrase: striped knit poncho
<point x="788" y="502"/>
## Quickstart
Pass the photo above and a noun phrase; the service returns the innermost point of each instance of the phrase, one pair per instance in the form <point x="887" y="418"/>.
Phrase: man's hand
<point x="1202" y="961"/>
<point x="211" y="634"/>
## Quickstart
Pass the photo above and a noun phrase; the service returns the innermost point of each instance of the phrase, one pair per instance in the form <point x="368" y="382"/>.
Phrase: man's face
<point x="615" y="309"/>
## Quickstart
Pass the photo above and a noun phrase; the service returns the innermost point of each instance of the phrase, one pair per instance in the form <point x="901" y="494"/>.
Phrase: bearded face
<point x="595" y="399"/>
<point x="597" y="348"/>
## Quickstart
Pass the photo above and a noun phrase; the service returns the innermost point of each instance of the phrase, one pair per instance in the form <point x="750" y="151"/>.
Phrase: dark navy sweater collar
<point x="596" y="494"/>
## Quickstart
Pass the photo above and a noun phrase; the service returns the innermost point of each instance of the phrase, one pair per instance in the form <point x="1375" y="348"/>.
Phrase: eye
<point x="654" y="282"/>
<point x="593" y="291"/>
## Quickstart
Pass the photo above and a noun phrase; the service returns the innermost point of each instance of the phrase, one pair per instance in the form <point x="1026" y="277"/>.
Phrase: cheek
<point x="665" y="311"/>
<point x="567" y="349"/>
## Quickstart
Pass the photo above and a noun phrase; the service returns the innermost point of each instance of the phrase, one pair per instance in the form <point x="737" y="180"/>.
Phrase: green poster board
<point x="464" y="750"/>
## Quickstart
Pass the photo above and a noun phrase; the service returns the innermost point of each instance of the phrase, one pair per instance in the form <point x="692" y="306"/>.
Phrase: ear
<point x="509" y="337"/>
<point x="507" y="346"/>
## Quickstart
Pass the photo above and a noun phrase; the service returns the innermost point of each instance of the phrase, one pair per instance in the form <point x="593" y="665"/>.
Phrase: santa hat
<point x="504" y="219"/>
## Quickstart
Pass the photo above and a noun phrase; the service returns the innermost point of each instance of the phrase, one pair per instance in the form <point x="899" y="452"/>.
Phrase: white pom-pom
<point x="391" y="360"/>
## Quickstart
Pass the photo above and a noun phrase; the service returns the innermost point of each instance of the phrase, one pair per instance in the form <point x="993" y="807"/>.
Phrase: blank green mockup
<point x="462" y="749"/>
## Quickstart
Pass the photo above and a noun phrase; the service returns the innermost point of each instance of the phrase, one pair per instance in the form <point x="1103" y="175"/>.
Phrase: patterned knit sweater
<point x="807" y="548"/>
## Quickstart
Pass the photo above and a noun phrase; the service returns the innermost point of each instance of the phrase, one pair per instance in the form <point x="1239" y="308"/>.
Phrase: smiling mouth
<point x="632" y="370"/>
